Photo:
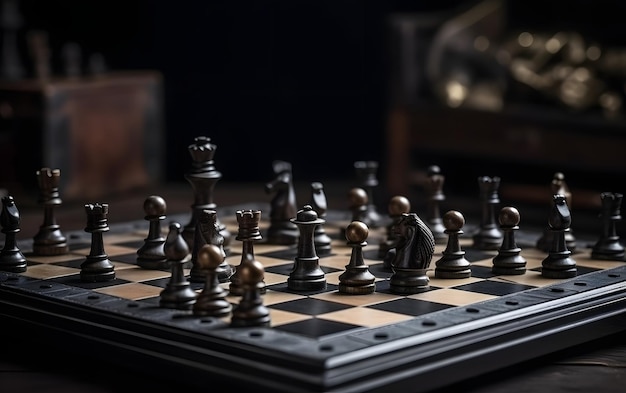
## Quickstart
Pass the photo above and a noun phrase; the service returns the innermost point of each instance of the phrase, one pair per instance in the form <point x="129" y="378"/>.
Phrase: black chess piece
<point x="11" y="257"/>
<point x="97" y="267"/>
<point x="558" y="186"/>
<point x="49" y="240"/>
<point x="434" y="187"/>
<point x="357" y="279"/>
<point x="212" y="300"/>
<point x="453" y="263"/>
<point x="398" y="205"/>
<point x="509" y="260"/>
<point x="318" y="202"/>
<point x="608" y="246"/>
<point x="489" y="236"/>
<point x="412" y="256"/>
<point x="177" y="293"/>
<point x="366" y="172"/>
<point x="358" y="203"/>
<point x="151" y="254"/>
<point x="307" y="274"/>
<point x="203" y="177"/>
<point x="208" y="232"/>
<point x="282" y="206"/>
<point x="250" y="311"/>
<point x="248" y="234"/>
<point x="558" y="263"/>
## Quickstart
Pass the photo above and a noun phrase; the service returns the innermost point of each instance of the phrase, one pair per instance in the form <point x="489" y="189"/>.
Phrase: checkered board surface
<point x="323" y="328"/>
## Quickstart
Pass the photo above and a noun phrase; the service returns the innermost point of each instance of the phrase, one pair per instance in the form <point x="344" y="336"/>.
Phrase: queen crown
<point x="202" y="151"/>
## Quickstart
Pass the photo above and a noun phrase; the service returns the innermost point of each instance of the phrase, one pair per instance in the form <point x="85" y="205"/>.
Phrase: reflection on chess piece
<point x="412" y="256"/>
<point x="318" y="202"/>
<point x="366" y="172"/>
<point x="97" y="266"/>
<point x="212" y="300"/>
<point x="509" y="260"/>
<point x="282" y="206"/>
<point x="177" y="294"/>
<point x="11" y="258"/>
<point x="452" y="263"/>
<point x="398" y="205"/>
<point x="558" y="263"/>
<point x="434" y="186"/>
<point x="307" y="274"/>
<point x="250" y="311"/>
<point x="151" y="254"/>
<point x="248" y="234"/>
<point x="608" y="245"/>
<point x="357" y="279"/>
<point x="49" y="240"/>
<point x="489" y="235"/>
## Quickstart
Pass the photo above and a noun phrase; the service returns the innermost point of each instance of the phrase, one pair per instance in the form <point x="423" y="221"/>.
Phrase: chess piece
<point x="366" y="174"/>
<point x="97" y="267"/>
<point x="39" y="48"/>
<point x="489" y="235"/>
<point x="212" y="299"/>
<point x="412" y="256"/>
<point x="558" y="263"/>
<point x="434" y="187"/>
<point x="318" y="202"/>
<point x="509" y="260"/>
<point x="151" y="254"/>
<point x="452" y="263"/>
<point x="357" y="279"/>
<point x="282" y="206"/>
<point x="11" y="258"/>
<point x="359" y="201"/>
<point x="248" y="221"/>
<point x="49" y="240"/>
<point x="558" y="187"/>
<point x="608" y="245"/>
<point x="208" y="232"/>
<point x="250" y="311"/>
<point x="203" y="177"/>
<point x="306" y="274"/>
<point x="398" y="205"/>
<point x="177" y="294"/>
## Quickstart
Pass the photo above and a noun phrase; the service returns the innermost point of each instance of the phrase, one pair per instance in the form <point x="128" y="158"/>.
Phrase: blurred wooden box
<point x="105" y="133"/>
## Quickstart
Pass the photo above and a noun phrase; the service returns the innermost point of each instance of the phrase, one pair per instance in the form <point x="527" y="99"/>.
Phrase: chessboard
<point x="316" y="340"/>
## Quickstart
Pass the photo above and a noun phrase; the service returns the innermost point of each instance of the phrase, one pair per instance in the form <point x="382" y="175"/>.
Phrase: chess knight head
<point x="416" y="243"/>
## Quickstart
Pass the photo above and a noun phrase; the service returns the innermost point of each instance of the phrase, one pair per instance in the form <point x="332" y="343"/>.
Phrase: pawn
<point x="212" y="300"/>
<point x="558" y="263"/>
<point x="398" y="205"/>
<point x="177" y="293"/>
<point x="11" y="258"/>
<point x="359" y="201"/>
<point x="608" y="246"/>
<point x="318" y="202"/>
<point x="250" y="311"/>
<point x="452" y="263"/>
<point x="357" y="279"/>
<point x="509" y="261"/>
<point x="151" y="255"/>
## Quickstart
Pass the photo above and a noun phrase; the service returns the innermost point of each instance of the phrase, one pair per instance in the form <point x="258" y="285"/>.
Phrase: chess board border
<point x="421" y="354"/>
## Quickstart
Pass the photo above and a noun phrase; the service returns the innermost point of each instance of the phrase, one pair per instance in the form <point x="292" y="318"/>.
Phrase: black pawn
<point x="49" y="240"/>
<point x="358" y="202"/>
<point x="151" y="254"/>
<point x="452" y="263"/>
<point x="366" y="172"/>
<point x="212" y="300"/>
<point x="248" y="233"/>
<point x="318" y="202"/>
<point x="509" y="261"/>
<point x="97" y="266"/>
<point x="558" y="263"/>
<point x="11" y="258"/>
<point x="608" y="246"/>
<point x="306" y="274"/>
<point x="177" y="294"/>
<point x="434" y="187"/>
<point x="357" y="279"/>
<point x="250" y="311"/>
<point x="489" y="235"/>
<point x="398" y="205"/>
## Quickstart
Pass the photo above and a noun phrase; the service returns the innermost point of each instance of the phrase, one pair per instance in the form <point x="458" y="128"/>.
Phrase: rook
<point x="97" y="266"/>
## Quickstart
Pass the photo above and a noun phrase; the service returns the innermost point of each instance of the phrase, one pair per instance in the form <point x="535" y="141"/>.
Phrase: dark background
<point x="302" y="81"/>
